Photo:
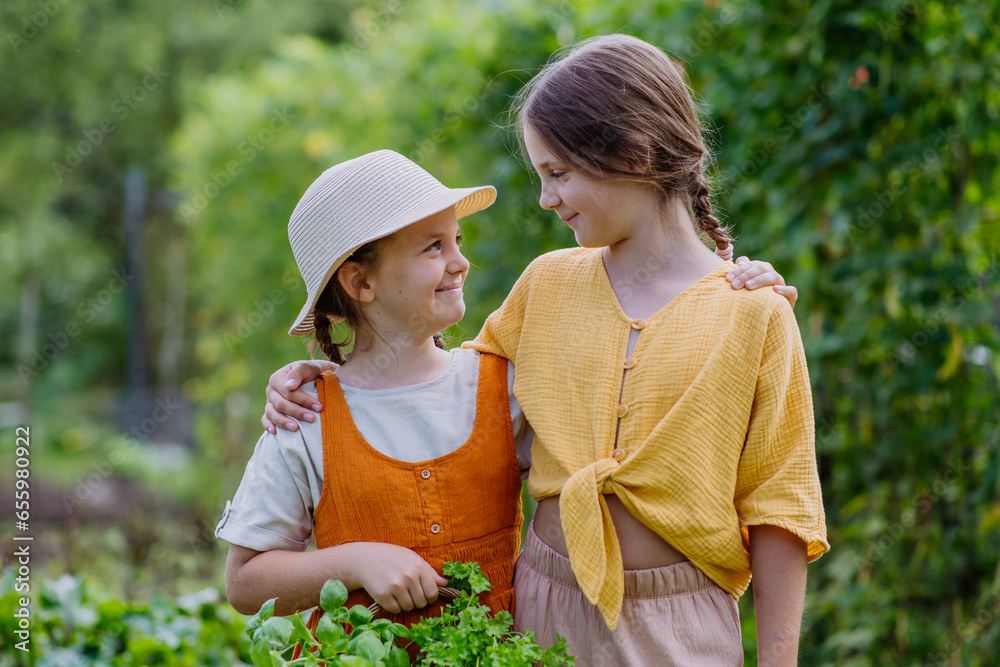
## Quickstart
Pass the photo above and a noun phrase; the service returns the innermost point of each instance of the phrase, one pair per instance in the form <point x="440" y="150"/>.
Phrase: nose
<point x="457" y="263"/>
<point x="548" y="199"/>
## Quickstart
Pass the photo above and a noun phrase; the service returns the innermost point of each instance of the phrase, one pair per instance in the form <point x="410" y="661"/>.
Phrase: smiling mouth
<point x="570" y="218"/>
<point x="451" y="288"/>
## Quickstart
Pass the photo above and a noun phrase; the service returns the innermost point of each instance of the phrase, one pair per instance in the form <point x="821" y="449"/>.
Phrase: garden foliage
<point x="466" y="634"/>
<point x="74" y="624"/>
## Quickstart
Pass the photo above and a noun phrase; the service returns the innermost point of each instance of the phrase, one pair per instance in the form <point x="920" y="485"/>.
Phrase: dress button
<point x="619" y="455"/>
<point x="630" y="363"/>
<point x="622" y="410"/>
<point x="435" y="528"/>
<point x="639" y="324"/>
<point x="426" y="474"/>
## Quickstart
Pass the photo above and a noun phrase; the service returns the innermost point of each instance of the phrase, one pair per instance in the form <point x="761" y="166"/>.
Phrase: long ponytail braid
<point x="701" y="207"/>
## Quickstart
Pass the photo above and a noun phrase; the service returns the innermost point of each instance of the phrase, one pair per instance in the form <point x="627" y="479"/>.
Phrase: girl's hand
<point x="396" y="577"/>
<point x="755" y="273"/>
<point x="284" y="400"/>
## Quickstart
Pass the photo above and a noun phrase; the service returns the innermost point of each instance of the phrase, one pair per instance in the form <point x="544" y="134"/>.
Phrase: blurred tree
<point x="89" y="90"/>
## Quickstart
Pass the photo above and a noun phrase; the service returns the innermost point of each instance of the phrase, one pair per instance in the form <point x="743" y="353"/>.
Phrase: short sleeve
<point x="523" y="433"/>
<point x="502" y="331"/>
<point x="273" y="506"/>
<point x="777" y="480"/>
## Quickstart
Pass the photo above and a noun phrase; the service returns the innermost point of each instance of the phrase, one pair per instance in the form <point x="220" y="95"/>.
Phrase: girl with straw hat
<point x="416" y="461"/>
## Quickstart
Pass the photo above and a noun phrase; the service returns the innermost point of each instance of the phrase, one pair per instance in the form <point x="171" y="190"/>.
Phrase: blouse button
<point x="435" y="528"/>
<point x="618" y="455"/>
<point x="622" y="410"/>
<point x="630" y="363"/>
<point x="639" y="324"/>
<point x="426" y="474"/>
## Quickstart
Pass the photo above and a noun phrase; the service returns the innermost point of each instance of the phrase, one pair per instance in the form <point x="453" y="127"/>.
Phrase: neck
<point x="664" y="247"/>
<point x="394" y="360"/>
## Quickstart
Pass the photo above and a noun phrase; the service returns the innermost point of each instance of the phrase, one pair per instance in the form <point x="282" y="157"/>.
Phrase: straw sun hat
<point x="359" y="201"/>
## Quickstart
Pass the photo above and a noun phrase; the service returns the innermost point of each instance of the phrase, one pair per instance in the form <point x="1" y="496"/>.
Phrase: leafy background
<point x="855" y="148"/>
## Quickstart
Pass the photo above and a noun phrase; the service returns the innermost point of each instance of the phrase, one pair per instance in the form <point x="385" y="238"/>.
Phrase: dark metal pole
<point x="135" y="256"/>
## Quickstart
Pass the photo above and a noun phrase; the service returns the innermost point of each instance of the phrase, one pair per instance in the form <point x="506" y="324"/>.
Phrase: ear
<point x="354" y="282"/>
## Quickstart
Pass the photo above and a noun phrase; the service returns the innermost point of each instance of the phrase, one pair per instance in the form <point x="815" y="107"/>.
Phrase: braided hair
<point x="336" y="305"/>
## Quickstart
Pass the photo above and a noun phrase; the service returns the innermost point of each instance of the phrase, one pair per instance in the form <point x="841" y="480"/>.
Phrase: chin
<point x="588" y="242"/>
<point x="449" y="317"/>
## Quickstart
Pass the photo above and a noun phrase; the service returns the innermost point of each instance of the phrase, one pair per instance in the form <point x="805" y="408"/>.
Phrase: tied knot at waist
<point x="591" y="540"/>
<point x="597" y="476"/>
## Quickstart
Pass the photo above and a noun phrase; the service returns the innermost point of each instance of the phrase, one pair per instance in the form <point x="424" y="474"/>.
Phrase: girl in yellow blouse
<point x="674" y="435"/>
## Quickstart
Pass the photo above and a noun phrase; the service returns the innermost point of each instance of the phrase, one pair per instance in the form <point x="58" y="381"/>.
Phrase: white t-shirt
<point x="273" y="507"/>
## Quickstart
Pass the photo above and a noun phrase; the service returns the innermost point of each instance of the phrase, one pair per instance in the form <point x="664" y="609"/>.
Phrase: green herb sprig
<point x="465" y="635"/>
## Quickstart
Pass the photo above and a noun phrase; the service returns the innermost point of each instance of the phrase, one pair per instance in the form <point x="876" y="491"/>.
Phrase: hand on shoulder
<point x="285" y="398"/>
<point x="754" y="274"/>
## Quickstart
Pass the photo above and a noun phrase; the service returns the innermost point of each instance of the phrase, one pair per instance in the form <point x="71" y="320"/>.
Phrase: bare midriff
<point x="641" y="547"/>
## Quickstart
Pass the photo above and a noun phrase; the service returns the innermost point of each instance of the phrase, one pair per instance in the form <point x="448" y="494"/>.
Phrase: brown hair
<point x="335" y="304"/>
<point x="619" y="108"/>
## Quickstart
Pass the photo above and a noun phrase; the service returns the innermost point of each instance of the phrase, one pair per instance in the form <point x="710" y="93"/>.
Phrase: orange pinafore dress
<point x="463" y="506"/>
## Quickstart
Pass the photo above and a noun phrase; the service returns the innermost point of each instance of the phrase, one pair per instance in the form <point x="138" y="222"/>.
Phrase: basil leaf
<point x="333" y="595"/>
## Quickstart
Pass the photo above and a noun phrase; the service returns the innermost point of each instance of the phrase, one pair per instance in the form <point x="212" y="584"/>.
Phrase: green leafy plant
<point x="75" y="623"/>
<point x="464" y="635"/>
<point x="371" y="642"/>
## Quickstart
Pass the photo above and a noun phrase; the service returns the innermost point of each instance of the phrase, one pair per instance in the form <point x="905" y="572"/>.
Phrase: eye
<point x="434" y="246"/>
<point x="459" y="239"/>
<point x="558" y="174"/>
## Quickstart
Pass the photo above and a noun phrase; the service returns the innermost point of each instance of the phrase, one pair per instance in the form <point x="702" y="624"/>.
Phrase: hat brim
<point x="466" y="202"/>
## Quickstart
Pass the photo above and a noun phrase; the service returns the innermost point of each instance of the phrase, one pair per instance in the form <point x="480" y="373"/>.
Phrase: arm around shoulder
<point x="285" y="399"/>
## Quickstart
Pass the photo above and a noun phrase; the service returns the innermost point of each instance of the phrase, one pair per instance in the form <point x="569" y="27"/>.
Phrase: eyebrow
<point x="433" y="236"/>
<point x="551" y="167"/>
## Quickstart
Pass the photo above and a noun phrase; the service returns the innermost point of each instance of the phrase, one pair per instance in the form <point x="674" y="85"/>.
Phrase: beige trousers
<point x="671" y="615"/>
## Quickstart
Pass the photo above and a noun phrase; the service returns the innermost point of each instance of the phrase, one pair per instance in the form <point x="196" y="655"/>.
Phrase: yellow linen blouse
<point x="715" y="419"/>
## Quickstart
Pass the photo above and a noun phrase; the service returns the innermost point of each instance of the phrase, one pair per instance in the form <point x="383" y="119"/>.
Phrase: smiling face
<point x="417" y="288"/>
<point x="600" y="213"/>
